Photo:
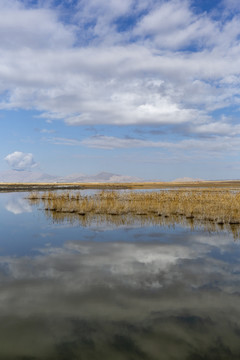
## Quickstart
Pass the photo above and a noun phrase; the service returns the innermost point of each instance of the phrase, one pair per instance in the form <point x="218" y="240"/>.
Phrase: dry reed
<point x="218" y="206"/>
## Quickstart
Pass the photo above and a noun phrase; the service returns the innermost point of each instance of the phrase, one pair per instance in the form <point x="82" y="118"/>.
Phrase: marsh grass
<point x="213" y="208"/>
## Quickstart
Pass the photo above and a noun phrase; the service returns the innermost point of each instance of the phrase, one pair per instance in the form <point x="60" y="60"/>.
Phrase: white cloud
<point x="108" y="79"/>
<point x="47" y="131"/>
<point x="32" y="28"/>
<point x="217" y="128"/>
<point x="172" y="25"/>
<point x="20" y="161"/>
<point x="217" y="145"/>
<point x="63" y="141"/>
<point x="232" y="4"/>
<point x="111" y="142"/>
<point x="217" y="138"/>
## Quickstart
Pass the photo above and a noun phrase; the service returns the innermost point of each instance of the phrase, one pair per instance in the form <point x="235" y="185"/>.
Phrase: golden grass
<point x="212" y="209"/>
<point x="219" y="206"/>
<point x="231" y="184"/>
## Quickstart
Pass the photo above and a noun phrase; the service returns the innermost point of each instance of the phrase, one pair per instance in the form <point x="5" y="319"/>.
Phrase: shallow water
<point x="105" y="291"/>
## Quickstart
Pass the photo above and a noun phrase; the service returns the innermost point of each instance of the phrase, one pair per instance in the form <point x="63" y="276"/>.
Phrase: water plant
<point x="220" y="206"/>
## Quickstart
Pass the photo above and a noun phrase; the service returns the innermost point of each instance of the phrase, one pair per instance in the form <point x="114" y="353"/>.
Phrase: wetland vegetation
<point x="215" y="209"/>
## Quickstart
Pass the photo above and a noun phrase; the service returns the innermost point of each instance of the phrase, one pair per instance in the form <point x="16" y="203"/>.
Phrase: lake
<point x="100" y="290"/>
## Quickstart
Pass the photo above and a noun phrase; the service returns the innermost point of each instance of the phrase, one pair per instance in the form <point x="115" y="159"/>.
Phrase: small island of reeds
<point x="215" y="207"/>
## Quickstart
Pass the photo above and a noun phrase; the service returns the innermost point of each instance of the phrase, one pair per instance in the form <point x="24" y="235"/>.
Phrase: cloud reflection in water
<point x="120" y="300"/>
<point x="18" y="205"/>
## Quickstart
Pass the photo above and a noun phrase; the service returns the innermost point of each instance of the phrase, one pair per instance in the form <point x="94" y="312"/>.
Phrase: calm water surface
<point x="104" y="291"/>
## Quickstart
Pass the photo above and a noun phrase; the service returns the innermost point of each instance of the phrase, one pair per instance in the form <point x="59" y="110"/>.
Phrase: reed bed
<point x="220" y="206"/>
<point x="211" y="210"/>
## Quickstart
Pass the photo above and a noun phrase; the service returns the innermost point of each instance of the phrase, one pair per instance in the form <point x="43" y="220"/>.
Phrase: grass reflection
<point x="212" y="210"/>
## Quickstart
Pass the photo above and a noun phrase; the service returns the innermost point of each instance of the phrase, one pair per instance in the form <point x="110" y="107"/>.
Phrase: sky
<point x="144" y="88"/>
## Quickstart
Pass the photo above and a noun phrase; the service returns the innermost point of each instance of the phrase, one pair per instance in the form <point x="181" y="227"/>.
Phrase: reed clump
<point x="220" y="206"/>
<point x="212" y="209"/>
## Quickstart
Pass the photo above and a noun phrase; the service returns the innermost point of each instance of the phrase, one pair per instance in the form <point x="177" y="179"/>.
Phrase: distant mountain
<point x="101" y="177"/>
<point x="71" y="178"/>
<point x="186" y="179"/>
<point x="15" y="176"/>
<point x="124" y="178"/>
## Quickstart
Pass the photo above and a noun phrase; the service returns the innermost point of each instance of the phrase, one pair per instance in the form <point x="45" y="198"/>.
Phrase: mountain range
<point x="186" y="179"/>
<point x="16" y="176"/>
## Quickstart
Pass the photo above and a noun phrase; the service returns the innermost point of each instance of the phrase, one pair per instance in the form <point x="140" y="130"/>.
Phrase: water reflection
<point x="147" y="293"/>
<point x="121" y="300"/>
<point x="140" y="220"/>
<point x="18" y="205"/>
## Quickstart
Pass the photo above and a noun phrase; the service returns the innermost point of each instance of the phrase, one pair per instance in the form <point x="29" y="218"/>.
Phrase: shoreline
<point x="12" y="187"/>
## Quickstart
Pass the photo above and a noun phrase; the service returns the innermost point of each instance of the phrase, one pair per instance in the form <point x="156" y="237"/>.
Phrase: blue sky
<point x="142" y="88"/>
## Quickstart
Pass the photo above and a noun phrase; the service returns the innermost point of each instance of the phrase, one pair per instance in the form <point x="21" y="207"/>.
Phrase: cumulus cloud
<point x="173" y="25"/>
<point x="19" y="24"/>
<point x="20" y="161"/>
<point x="167" y="65"/>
